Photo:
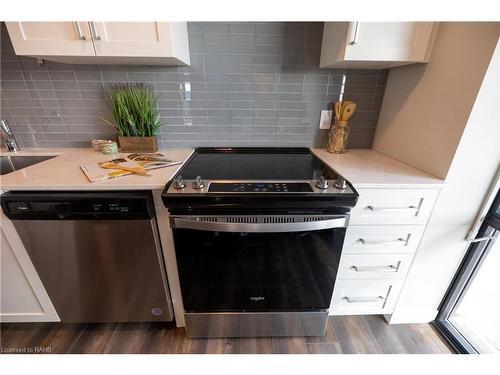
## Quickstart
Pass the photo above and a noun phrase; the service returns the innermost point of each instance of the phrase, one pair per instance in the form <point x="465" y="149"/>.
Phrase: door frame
<point x="471" y="264"/>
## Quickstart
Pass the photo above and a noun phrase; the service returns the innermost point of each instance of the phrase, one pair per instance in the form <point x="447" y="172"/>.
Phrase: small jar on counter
<point x="97" y="143"/>
<point x="109" y="147"/>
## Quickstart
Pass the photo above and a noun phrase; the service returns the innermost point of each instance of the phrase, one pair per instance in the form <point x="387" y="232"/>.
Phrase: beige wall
<point x="426" y="106"/>
<point x="464" y="149"/>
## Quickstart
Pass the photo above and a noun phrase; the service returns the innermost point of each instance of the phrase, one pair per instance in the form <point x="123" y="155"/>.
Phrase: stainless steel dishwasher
<point x="98" y="254"/>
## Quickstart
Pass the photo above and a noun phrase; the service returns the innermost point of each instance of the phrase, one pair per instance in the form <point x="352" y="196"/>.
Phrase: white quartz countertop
<point x="363" y="168"/>
<point x="371" y="169"/>
<point x="63" y="172"/>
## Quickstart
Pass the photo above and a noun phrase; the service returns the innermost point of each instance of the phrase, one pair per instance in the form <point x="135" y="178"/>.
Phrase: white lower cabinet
<point x="393" y="206"/>
<point x="17" y="297"/>
<point x="375" y="239"/>
<point x="380" y="266"/>
<point x="22" y="295"/>
<point x="383" y="235"/>
<point x="353" y="297"/>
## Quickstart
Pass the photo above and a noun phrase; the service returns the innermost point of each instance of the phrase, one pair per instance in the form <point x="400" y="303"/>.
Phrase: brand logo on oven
<point x="257" y="299"/>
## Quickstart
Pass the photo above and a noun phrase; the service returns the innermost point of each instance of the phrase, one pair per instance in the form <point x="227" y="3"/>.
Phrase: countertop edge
<point x="397" y="186"/>
<point x="370" y="169"/>
<point x="82" y="183"/>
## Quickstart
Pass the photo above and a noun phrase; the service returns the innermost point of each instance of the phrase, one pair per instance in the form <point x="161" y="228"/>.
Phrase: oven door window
<point x="222" y="271"/>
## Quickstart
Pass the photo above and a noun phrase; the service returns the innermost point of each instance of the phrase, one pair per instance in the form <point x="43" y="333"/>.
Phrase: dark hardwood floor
<point x="346" y="334"/>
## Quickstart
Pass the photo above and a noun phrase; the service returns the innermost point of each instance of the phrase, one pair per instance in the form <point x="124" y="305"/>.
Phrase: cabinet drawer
<point x="363" y="239"/>
<point x="376" y="266"/>
<point x="353" y="297"/>
<point x="393" y="206"/>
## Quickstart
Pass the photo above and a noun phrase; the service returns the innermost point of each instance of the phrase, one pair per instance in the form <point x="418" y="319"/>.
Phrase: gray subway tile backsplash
<point x="249" y="84"/>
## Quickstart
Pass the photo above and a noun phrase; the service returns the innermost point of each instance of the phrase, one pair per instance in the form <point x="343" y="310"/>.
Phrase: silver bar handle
<point x="480" y="239"/>
<point x="392" y="209"/>
<point x="390" y="268"/>
<point x="94" y="31"/>
<point x="214" y="226"/>
<point x="364" y="299"/>
<point x="79" y="31"/>
<point x="355" y="38"/>
<point x="399" y="241"/>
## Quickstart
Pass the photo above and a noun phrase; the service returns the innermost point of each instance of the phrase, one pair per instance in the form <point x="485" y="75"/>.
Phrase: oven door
<point x="257" y="263"/>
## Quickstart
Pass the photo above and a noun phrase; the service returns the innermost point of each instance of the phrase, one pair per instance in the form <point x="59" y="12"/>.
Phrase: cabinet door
<point x="51" y="38"/>
<point x="389" y="41"/>
<point x="378" y="239"/>
<point x="393" y="206"/>
<point x="359" y="297"/>
<point x="373" y="266"/>
<point x="376" y="44"/>
<point x="17" y="295"/>
<point x="23" y="297"/>
<point x="141" y="39"/>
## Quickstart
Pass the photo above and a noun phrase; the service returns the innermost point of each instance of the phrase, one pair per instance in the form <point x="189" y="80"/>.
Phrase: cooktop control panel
<point x="260" y="187"/>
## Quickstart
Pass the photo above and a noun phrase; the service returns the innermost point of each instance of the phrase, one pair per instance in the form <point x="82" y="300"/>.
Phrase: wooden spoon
<point x="338" y="107"/>
<point x="112" y="165"/>
<point x="348" y="109"/>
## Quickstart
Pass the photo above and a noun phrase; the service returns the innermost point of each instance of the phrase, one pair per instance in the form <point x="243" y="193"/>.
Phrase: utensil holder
<point x="338" y="138"/>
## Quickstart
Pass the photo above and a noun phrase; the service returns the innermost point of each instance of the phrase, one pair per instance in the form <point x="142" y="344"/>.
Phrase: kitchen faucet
<point x="8" y="136"/>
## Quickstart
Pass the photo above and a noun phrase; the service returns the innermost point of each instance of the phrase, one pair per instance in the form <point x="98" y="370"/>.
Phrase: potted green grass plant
<point x="135" y="116"/>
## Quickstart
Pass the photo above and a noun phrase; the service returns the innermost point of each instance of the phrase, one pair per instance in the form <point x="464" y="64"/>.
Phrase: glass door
<point x="469" y="316"/>
<point x="223" y="271"/>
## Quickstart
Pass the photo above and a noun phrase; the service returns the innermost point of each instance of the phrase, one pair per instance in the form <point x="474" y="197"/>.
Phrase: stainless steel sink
<point x="13" y="163"/>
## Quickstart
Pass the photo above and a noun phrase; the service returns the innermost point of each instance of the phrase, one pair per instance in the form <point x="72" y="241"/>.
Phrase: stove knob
<point x="198" y="183"/>
<point x="179" y="183"/>
<point x="340" y="183"/>
<point x="322" y="183"/>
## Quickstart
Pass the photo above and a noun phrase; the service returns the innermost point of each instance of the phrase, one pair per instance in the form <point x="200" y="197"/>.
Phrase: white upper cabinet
<point x="376" y="45"/>
<point x="51" y="38"/>
<point x="145" y="43"/>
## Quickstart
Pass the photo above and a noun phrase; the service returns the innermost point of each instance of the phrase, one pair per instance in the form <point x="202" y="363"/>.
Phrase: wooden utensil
<point x="338" y="107"/>
<point x="348" y="109"/>
<point x="113" y="165"/>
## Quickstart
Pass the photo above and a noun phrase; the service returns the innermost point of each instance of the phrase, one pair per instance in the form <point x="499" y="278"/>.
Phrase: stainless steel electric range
<point x="258" y="235"/>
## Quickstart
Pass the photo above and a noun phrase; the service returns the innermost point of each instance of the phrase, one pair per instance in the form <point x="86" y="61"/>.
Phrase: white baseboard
<point x="27" y="317"/>
<point x="411" y="316"/>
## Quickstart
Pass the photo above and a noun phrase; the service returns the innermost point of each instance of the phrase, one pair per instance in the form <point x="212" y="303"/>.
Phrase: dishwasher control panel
<point x="22" y="206"/>
<point x="37" y="207"/>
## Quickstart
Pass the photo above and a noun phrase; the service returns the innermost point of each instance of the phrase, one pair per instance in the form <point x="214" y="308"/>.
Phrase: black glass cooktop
<point x="255" y="164"/>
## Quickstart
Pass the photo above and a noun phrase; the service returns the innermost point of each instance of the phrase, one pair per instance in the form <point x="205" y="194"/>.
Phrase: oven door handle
<point x="212" y="225"/>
